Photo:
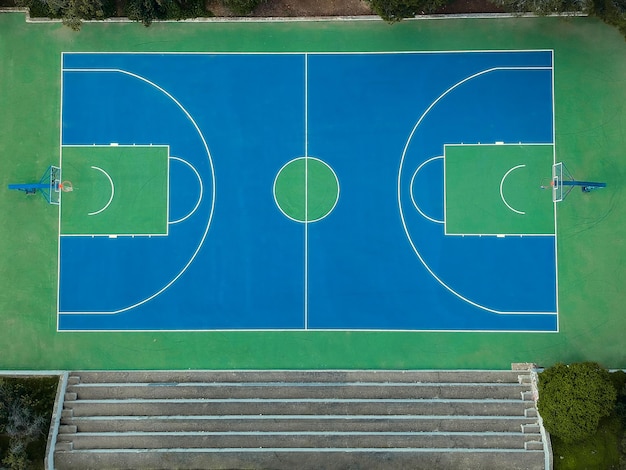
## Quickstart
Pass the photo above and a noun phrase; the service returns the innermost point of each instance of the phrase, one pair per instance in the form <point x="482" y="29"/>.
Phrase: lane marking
<point x="502" y="194"/>
<point x="411" y="191"/>
<point x="112" y="191"/>
<point x="306" y="192"/>
<point x="199" y="196"/>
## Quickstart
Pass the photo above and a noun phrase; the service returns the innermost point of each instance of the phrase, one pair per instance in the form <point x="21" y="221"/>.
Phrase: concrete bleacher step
<point x="301" y="459"/>
<point x="294" y="390"/>
<point x="277" y="423"/>
<point x="298" y="439"/>
<point x="295" y="407"/>
<point x="282" y="376"/>
<point x="299" y="419"/>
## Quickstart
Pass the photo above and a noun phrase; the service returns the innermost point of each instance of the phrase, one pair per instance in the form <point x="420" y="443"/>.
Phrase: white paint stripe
<point x="301" y="330"/>
<point x="556" y="251"/>
<point x="182" y="219"/>
<point x="306" y="191"/>
<point x="399" y="189"/>
<point x="135" y="401"/>
<point x="341" y="450"/>
<point x="325" y="417"/>
<point x="253" y="53"/>
<point x="411" y="191"/>
<point x="106" y="206"/>
<point x="179" y="385"/>
<point x="58" y="301"/>
<point x="502" y="194"/>
<point x="106" y="434"/>
<point x="210" y="218"/>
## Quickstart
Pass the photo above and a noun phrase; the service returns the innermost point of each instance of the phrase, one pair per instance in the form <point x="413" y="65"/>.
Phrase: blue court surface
<point x="232" y="259"/>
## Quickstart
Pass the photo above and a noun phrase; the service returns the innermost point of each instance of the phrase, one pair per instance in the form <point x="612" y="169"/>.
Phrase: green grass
<point x="599" y="452"/>
<point x="590" y="68"/>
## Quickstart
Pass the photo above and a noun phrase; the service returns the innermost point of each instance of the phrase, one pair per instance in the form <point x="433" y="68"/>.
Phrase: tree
<point x="22" y="420"/>
<point x="573" y="398"/>
<point x="395" y="10"/>
<point x="72" y="12"/>
<point x="612" y="12"/>
<point x="544" y="7"/>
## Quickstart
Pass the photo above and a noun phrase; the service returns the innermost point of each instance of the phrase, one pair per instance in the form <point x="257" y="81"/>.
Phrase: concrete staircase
<point x="305" y="420"/>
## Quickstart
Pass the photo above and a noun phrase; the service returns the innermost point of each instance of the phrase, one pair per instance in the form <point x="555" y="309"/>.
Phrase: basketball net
<point x="66" y="186"/>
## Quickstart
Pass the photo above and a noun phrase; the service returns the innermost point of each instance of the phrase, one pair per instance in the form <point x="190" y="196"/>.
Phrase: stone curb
<point x="298" y="19"/>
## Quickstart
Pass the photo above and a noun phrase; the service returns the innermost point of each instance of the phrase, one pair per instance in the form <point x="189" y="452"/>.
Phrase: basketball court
<point x="311" y="194"/>
<point x="312" y="204"/>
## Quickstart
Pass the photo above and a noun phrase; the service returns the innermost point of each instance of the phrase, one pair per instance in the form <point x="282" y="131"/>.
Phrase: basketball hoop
<point x="547" y="183"/>
<point x="66" y="186"/>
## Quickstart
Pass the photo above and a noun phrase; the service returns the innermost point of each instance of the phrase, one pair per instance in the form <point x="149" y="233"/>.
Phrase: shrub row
<point x="583" y="406"/>
<point x="72" y="12"/>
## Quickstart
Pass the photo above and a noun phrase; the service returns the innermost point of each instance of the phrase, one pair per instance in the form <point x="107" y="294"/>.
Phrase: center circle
<point x="306" y="189"/>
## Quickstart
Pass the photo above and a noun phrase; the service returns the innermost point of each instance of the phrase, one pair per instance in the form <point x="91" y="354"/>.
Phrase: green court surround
<point x="590" y="97"/>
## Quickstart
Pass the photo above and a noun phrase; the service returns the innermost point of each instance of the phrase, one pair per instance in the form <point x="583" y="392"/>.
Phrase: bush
<point x="72" y="12"/>
<point x="147" y="11"/>
<point x="543" y="7"/>
<point x="612" y="12"/>
<point x="573" y="398"/>
<point x="395" y="10"/>
<point x="25" y="413"/>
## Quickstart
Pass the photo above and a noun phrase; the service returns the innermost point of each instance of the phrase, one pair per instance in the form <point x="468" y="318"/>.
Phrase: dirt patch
<point x="291" y="8"/>
<point x="313" y="8"/>
<point x="470" y="6"/>
<point x="304" y="8"/>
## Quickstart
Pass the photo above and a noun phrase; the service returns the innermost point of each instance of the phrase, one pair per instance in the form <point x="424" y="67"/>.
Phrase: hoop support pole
<point x="29" y="186"/>
<point x="588" y="184"/>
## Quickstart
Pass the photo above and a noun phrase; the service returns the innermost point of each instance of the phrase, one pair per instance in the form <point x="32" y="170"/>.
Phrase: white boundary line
<point x="199" y="196"/>
<point x="399" y="186"/>
<point x="60" y="195"/>
<point x="206" y="231"/>
<point x="556" y="251"/>
<point x="502" y="194"/>
<point x="411" y="191"/>
<point x="306" y="146"/>
<point x="105" y="207"/>
<point x="306" y="191"/>
<point x="304" y="331"/>
<point x="300" y="53"/>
